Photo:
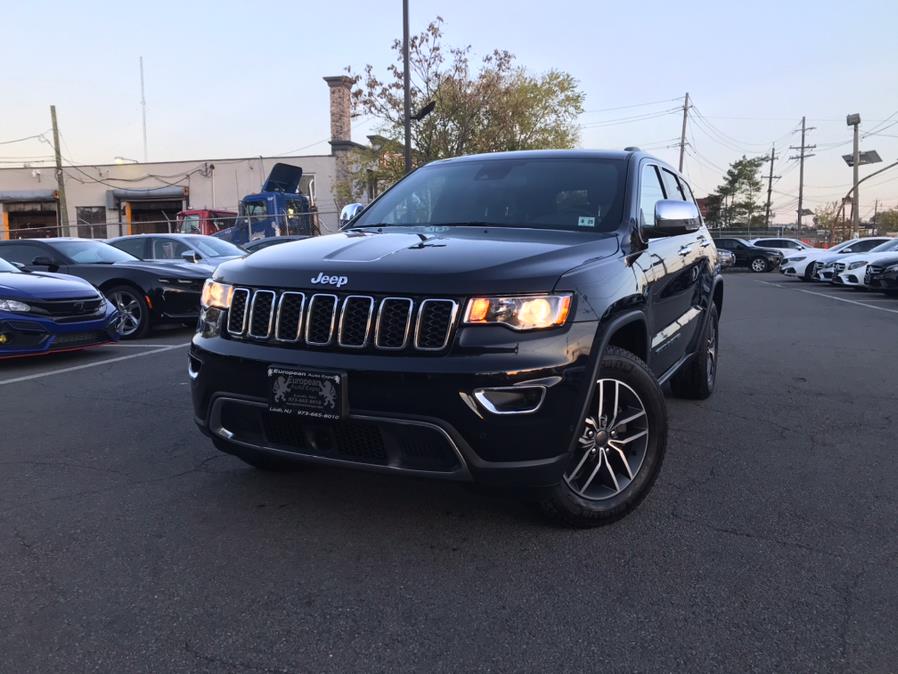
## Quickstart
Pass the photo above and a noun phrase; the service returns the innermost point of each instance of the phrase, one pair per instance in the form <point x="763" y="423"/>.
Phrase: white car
<point x="851" y="270"/>
<point x="808" y="262"/>
<point x="787" y="247"/>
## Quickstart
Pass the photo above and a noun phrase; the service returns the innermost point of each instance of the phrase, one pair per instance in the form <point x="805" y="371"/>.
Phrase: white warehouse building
<point x="104" y="200"/>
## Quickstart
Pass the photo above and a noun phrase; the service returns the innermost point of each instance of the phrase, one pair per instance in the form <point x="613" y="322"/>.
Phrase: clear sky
<point x="226" y="79"/>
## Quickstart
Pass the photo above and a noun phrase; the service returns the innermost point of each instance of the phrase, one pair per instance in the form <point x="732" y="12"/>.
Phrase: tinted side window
<point x="864" y="246"/>
<point x="650" y="193"/>
<point x="671" y="186"/>
<point x="22" y="253"/>
<point x="767" y="243"/>
<point x="133" y="246"/>
<point x="687" y="191"/>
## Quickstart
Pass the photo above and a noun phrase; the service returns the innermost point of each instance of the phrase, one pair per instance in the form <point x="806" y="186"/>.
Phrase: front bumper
<point x="408" y="413"/>
<point x="25" y="335"/>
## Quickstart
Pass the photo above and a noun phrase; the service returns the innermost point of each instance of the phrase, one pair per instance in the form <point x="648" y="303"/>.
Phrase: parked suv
<point x="506" y="319"/>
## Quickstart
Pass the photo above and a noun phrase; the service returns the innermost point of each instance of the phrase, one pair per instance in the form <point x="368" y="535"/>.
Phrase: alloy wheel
<point x="758" y="264"/>
<point x="613" y="444"/>
<point x="129" y="312"/>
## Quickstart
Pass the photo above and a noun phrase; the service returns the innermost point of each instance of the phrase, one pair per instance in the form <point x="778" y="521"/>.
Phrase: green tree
<point x="887" y="221"/>
<point x="487" y="107"/>
<point x="740" y="194"/>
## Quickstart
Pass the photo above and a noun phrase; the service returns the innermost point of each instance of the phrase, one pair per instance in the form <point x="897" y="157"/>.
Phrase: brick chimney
<point x="340" y="109"/>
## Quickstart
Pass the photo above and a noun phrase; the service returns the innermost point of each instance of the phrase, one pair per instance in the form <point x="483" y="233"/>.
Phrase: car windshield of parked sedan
<point x="886" y="247"/>
<point x="579" y="194"/>
<point x="92" y="252"/>
<point x="9" y="267"/>
<point x="212" y="247"/>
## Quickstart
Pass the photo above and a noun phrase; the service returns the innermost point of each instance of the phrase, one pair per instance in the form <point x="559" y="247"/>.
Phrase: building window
<point x="91" y="222"/>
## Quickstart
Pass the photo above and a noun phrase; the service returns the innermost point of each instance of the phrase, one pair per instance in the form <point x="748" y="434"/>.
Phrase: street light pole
<point x="406" y="85"/>
<point x="855" y="121"/>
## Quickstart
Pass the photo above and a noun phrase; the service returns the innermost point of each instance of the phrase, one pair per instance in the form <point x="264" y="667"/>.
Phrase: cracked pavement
<point x="770" y="542"/>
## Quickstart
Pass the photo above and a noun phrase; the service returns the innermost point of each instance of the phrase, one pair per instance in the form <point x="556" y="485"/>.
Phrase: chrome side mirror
<point x="349" y="212"/>
<point x="676" y="217"/>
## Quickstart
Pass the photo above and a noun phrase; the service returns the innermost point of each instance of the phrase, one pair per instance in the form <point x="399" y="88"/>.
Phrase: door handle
<point x="705" y="243"/>
<point x="684" y="250"/>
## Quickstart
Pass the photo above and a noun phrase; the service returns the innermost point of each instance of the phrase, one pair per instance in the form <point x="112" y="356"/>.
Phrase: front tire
<point x="697" y="378"/>
<point x="809" y="272"/>
<point x="134" y="312"/>
<point x="620" y="449"/>
<point x="759" y="265"/>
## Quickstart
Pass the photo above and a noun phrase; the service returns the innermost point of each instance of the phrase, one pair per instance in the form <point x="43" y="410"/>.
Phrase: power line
<point x="37" y="136"/>
<point x="627" y="107"/>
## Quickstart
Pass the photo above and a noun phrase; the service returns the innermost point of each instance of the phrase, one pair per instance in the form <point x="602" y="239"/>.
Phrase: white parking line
<point x="838" y="299"/>
<point x="138" y="346"/>
<point x="40" y="375"/>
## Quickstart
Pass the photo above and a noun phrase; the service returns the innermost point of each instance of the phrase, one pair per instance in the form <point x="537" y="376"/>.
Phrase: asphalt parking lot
<point x="770" y="542"/>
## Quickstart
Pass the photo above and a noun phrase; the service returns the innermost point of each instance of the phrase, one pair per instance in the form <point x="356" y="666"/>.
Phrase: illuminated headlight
<point x="519" y="313"/>
<point x="13" y="305"/>
<point x="855" y="265"/>
<point x="216" y="295"/>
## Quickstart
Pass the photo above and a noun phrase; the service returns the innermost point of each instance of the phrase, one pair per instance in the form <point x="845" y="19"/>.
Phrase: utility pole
<point x="855" y="121"/>
<point x="770" y="186"/>
<point x="801" y="157"/>
<point x="875" y="217"/>
<point x="406" y="85"/>
<point x="683" y="130"/>
<point x="60" y="177"/>
<point x="143" y="105"/>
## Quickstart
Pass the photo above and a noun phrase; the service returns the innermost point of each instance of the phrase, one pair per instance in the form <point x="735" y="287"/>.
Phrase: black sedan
<point x="144" y="293"/>
<point x="747" y="255"/>
<point x="882" y="275"/>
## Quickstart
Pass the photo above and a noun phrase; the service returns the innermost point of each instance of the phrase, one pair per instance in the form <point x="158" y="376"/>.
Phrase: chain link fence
<point x="309" y="224"/>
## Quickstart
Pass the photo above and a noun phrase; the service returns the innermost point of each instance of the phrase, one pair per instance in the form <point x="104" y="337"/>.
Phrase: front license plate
<point x="306" y="393"/>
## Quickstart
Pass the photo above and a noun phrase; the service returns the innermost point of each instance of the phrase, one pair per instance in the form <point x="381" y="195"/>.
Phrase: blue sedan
<point x="45" y="313"/>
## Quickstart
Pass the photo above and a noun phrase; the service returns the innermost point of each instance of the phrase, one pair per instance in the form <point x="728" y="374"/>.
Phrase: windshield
<point x="8" y="267"/>
<point x="211" y="247"/>
<point x="253" y="208"/>
<point x="892" y="244"/>
<point x="584" y="195"/>
<point x="190" y="224"/>
<point x="92" y="252"/>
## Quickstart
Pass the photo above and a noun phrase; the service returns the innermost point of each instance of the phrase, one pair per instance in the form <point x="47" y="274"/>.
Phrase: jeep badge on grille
<point x="324" y="279"/>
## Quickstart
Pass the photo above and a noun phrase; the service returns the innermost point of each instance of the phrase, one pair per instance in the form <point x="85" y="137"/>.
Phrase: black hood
<point x="461" y="260"/>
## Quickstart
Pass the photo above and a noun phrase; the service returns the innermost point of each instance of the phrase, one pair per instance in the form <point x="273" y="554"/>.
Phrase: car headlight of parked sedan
<point x="893" y="267"/>
<point x="14" y="305"/>
<point x="855" y="265"/>
<point x="796" y="259"/>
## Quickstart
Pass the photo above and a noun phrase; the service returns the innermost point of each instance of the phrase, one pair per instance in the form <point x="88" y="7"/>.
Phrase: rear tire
<point x="696" y="380"/>
<point x="759" y="265"/>
<point x="620" y="450"/>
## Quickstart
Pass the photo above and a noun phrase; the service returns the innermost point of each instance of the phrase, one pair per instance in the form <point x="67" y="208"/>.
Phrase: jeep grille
<point x="342" y="321"/>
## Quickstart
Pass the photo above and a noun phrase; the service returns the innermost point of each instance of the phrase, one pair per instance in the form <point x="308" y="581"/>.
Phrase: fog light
<point x="511" y="399"/>
<point x="3" y="338"/>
